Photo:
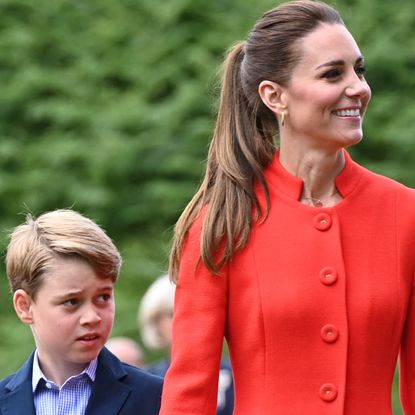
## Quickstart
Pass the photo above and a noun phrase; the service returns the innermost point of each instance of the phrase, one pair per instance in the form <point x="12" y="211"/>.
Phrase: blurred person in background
<point x="127" y="350"/>
<point x="155" y="314"/>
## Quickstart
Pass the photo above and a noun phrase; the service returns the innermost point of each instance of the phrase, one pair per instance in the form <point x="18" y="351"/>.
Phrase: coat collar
<point x="283" y="181"/>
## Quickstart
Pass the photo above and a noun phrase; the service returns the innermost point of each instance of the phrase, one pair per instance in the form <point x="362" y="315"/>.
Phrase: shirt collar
<point x="37" y="374"/>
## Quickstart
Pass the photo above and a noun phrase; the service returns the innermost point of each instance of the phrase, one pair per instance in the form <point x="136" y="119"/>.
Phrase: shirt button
<point x="329" y="333"/>
<point x="48" y="385"/>
<point x="328" y="392"/>
<point x="328" y="276"/>
<point x="322" y="221"/>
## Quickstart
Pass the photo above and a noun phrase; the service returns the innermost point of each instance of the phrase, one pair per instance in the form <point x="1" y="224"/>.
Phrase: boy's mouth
<point x="89" y="337"/>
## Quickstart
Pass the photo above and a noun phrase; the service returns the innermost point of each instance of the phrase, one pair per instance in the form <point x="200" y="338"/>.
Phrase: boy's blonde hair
<point x="36" y="245"/>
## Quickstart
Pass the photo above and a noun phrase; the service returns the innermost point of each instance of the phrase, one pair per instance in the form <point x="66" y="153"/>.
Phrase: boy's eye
<point x="104" y="298"/>
<point x="72" y="302"/>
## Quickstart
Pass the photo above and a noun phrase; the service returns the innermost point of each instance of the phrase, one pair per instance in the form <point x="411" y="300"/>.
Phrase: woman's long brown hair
<point x="243" y="142"/>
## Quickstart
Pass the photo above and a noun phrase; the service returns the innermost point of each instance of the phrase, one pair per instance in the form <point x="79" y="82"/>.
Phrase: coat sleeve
<point x="191" y="383"/>
<point x="407" y="353"/>
<point x="407" y="360"/>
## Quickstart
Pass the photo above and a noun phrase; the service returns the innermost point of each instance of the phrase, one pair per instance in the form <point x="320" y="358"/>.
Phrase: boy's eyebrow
<point x="107" y="288"/>
<point x="69" y="293"/>
<point x="77" y="292"/>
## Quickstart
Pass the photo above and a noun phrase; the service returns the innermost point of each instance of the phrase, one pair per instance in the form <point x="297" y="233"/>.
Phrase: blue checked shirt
<point x="69" y="399"/>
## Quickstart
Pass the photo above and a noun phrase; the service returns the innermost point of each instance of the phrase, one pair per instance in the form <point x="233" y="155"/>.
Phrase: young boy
<point x="62" y="268"/>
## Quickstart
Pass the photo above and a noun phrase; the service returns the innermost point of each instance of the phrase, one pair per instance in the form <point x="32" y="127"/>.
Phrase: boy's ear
<point x="22" y="302"/>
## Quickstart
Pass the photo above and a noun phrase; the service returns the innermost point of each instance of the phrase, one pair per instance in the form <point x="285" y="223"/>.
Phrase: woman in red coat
<point x="302" y="259"/>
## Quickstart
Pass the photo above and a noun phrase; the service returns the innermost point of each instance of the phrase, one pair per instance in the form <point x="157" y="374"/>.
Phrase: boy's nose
<point x="90" y="316"/>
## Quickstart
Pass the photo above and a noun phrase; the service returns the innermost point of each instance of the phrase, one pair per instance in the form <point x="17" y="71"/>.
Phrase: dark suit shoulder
<point x="21" y="376"/>
<point x="146" y="379"/>
<point x="5" y="381"/>
<point x="120" y="389"/>
<point x="147" y="389"/>
<point x="16" y="395"/>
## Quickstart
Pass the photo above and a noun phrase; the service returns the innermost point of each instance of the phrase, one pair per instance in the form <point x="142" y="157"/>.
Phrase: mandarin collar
<point x="277" y="176"/>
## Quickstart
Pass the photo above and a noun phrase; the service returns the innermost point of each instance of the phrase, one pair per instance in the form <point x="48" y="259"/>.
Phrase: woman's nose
<point x="358" y="87"/>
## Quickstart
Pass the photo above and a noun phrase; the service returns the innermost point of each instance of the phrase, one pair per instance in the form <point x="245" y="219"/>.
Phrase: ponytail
<point x="242" y="146"/>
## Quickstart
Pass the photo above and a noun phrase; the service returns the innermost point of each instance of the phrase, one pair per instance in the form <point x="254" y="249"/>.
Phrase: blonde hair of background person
<point x="62" y="268"/>
<point x="300" y="257"/>
<point x="155" y="313"/>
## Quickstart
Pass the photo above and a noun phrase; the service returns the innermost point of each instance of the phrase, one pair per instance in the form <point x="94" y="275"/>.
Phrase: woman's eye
<point x="332" y="73"/>
<point x="360" y="71"/>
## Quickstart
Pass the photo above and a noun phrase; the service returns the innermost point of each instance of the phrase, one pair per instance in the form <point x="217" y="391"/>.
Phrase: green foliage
<point x="107" y="106"/>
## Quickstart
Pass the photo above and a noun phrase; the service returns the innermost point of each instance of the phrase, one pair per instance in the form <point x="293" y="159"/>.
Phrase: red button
<point x="322" y="221"/>
<point x="328" y="275"/>
<point x="329" y="333"/>
<point x="328" y="392"/>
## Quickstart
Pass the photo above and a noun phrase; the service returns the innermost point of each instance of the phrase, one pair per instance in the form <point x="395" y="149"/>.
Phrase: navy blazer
<point x="118" y="389"/>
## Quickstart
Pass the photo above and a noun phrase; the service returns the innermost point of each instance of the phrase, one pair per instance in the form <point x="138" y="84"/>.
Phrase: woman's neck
<point x="318" y="169"/>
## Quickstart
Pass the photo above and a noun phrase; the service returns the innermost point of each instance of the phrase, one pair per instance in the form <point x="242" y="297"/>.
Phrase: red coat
<point x="314" y="309"/>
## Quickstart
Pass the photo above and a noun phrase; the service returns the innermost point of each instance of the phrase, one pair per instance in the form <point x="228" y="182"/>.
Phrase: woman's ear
<point x="22" y="302"/>
<point x="272" y="95"/>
